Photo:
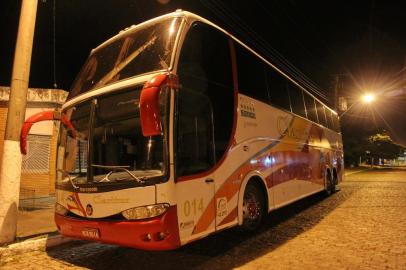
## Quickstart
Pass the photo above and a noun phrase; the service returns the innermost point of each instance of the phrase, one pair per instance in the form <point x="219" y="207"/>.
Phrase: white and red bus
<point x="174" y="129"/>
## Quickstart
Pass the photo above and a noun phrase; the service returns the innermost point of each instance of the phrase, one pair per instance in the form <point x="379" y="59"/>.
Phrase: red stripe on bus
<point x="77" y="204"/>
<point x="230" y="217"/>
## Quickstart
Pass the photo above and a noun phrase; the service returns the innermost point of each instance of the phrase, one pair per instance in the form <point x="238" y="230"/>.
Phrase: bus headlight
<point x="60" y="209"/>
<point x="143" y="212"/>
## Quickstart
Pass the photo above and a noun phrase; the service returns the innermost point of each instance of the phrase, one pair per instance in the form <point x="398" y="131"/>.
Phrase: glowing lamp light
<point x="368" y="98"/>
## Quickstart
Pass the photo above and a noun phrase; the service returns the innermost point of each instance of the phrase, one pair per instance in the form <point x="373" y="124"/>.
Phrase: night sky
<point x="364" y="40"/>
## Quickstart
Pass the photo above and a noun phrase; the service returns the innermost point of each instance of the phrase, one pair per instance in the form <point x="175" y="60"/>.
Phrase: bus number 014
<point x="193" y="205"/>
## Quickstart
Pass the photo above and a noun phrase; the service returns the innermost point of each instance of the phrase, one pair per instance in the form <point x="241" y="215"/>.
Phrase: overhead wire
<point x="241" y="28"/>
<point x="283" y="62"/>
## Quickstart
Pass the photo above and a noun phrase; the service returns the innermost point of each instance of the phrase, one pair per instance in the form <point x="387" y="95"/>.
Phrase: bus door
<point x="194" y="157"/>
<point x="205" y="115"/>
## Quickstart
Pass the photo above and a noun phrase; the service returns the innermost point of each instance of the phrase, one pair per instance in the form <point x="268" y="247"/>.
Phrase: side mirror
<point x="42" y="116"/>
<point x="149" y="103"/>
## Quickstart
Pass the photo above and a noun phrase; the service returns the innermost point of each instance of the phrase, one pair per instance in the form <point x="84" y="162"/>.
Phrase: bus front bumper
<point x="159" y="233"/>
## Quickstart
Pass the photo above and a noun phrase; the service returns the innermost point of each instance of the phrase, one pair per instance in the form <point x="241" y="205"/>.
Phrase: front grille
<point x="116" y="217"/>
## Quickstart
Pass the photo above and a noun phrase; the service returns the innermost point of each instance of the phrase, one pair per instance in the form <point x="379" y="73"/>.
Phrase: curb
<point x="350" y="173"/>
<point x="33" y="245"/>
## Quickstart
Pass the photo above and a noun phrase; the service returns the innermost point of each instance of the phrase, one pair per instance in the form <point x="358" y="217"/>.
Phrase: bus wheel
<point x="330" y="185"/>
<point x="253" y="208"/>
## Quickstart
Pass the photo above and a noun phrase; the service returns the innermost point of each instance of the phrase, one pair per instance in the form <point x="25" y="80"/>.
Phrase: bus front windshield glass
<point x="140" y="50"/>
<point x="108" y="145"/>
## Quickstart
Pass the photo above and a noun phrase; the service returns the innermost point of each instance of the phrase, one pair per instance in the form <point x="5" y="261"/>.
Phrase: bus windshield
<point x="140" y="50"/>
<point x="108" y="145"/>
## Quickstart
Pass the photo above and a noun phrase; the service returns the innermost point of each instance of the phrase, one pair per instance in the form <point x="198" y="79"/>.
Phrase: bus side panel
<point x="295" y="154"/>
<point x="288" y="152"/>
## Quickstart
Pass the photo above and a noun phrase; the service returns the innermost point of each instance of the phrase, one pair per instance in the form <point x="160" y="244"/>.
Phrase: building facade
<point x="38" y="166"/>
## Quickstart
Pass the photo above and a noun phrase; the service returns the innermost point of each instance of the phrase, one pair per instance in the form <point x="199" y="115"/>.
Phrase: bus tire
<point x="329" y="183"/>
<point x="335" y="177"/>
<point x="253" y="207"/>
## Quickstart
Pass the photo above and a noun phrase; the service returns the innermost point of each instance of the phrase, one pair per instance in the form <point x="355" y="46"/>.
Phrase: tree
<point x="382" y="146"/>
<point x="370" y="146"/>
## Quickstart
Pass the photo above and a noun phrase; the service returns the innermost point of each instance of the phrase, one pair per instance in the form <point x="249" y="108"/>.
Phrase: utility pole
<point x="11" y="161"/>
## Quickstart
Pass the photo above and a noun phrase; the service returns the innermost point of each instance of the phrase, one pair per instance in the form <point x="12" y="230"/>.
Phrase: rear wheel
<point x="330" y="184"/>
<point x="253" y="208"/>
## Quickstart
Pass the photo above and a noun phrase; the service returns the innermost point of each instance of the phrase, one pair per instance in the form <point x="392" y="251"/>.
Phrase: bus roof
<point x="193" y="17"/>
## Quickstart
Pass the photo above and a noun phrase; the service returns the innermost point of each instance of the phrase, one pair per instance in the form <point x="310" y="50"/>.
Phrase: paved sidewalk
<point x="35" y="217"/>
<point x="31" y="223"/>
<point x="36" y="229"/>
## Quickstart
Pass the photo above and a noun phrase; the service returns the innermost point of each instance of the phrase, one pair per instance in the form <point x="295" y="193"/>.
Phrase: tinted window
<point x="321" y="114"/>
<point x="205" y="70"/>
<point x="296" y="99"/>
<point x="336" y="123"/>
<point x="251" y="75"/>
<point x="195" y="152"/>
<point x="310" y="107"/>
<point x="330" y="121"/>
<point x="278" y="90"/>
<point x="137" y="51"/>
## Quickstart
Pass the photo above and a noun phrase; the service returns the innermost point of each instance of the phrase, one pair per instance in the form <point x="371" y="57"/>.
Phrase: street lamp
<point x="368" y="98"/>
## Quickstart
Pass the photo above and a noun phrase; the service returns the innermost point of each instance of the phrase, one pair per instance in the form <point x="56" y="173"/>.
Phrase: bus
<point x="174" y="129"/>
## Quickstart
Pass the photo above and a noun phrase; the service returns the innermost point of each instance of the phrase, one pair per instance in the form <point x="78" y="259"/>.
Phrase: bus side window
<point x="205" y="75"/>
<point x="278" y="91"/>
<point x="251" y="75"/>
<point x="310" y="107"/>
<point x="321" y="114"/>
<point x="330" y="118"/>
<point x="296" y="99"/>
<point x="194" y="134"/>
<point x="336" y="122"/>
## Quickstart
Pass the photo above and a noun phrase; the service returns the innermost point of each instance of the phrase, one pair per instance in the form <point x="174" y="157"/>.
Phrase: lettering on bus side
<point x="88" y="190"/>
<point x="187" y="225"/>
<point x="99" y="199"/>
<point x="285" y="129"/>
<point x="247" y="109"/>
<point x="248" y="114"/>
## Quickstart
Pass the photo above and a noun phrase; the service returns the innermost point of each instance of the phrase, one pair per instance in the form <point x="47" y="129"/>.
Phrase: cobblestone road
<point x="363" y="226"/>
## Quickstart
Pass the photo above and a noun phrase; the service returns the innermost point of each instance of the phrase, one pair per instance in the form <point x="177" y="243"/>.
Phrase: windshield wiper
<point x="116" y="168"/>
<point x="69" y="177"/>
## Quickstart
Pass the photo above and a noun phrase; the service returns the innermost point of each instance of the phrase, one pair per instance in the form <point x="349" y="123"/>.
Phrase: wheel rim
<point x="251" y="208"/>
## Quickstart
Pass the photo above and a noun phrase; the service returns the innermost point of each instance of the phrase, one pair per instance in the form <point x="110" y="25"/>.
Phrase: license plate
<point x="91" y="233"/>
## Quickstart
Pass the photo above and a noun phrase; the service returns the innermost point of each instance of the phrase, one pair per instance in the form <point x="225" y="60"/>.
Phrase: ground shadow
<point x="224" y="250"/>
